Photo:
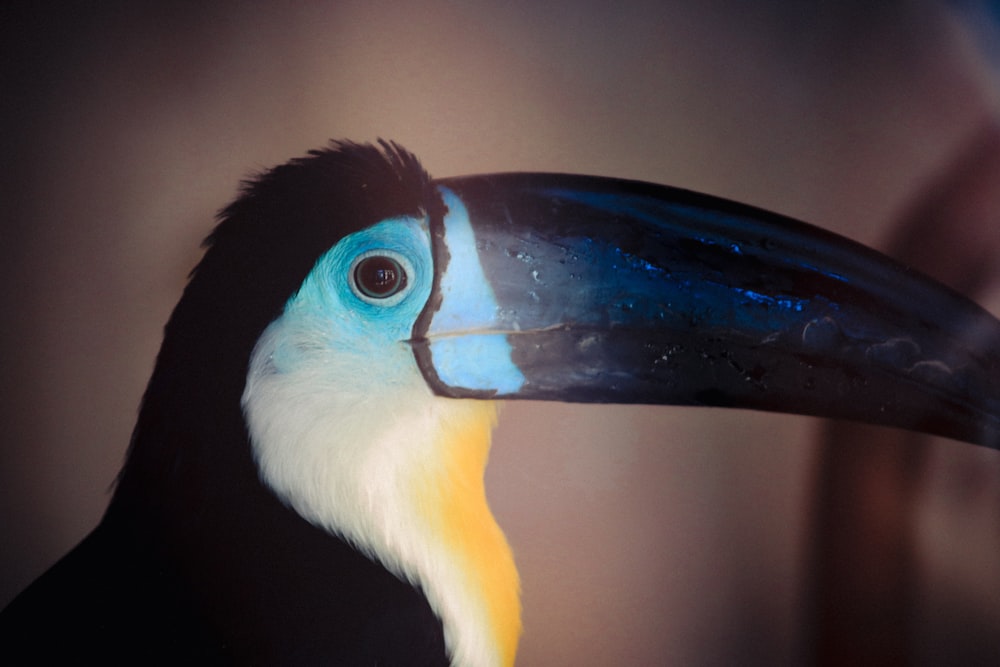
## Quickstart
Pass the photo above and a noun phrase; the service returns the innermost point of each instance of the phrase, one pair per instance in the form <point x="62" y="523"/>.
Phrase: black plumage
<point x="195" y="560"/>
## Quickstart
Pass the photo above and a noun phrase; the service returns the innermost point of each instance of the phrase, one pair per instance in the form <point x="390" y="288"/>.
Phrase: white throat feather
<point x="395" y="471"/>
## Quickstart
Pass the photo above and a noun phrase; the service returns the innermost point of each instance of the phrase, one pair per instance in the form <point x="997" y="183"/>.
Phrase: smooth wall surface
<point x="644" y="536"/>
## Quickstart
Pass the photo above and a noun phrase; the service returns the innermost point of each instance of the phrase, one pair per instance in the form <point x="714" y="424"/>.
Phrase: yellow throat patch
<point x="452" y="499"/>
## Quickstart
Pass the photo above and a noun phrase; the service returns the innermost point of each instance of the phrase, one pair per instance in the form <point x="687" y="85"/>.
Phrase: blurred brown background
<point x="644" y="536"/>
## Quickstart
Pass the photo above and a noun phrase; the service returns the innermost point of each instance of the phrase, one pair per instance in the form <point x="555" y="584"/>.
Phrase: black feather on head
<point x="195" y="561"/>
<point x="266" y="243"/>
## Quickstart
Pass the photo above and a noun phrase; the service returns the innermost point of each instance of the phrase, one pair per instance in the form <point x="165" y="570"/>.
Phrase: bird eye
<point x="379" y="277"/>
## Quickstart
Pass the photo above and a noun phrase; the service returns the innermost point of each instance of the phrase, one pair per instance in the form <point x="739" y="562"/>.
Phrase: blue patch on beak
<point x="468" y="348"/>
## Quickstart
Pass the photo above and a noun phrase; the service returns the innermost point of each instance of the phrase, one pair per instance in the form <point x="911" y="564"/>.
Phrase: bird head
<point x="352" y="321"/>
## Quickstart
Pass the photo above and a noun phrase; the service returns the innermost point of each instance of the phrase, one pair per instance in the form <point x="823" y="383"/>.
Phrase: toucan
<point x="304" y="484"/>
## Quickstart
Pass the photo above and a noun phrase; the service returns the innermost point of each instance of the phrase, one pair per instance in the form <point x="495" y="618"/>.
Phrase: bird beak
<point x="585" y="289"/>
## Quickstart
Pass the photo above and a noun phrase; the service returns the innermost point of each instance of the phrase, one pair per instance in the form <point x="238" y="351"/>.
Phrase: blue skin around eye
<point x="327" y="312"/>
<point x="333" y="315"/>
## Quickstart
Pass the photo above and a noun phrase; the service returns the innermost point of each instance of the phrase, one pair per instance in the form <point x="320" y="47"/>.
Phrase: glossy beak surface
<point x="587" y="289"/>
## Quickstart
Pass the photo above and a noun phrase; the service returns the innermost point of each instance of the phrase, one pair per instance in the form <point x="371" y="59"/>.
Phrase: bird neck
<point x="451" y="500"/>
<point x="398" y="473"/>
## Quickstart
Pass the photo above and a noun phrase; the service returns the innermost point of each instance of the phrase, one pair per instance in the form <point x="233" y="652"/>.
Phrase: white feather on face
<point x="345" y="431"/>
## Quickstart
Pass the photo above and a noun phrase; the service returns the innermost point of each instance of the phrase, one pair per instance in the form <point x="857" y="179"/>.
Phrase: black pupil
<point x="379" y="277"/>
